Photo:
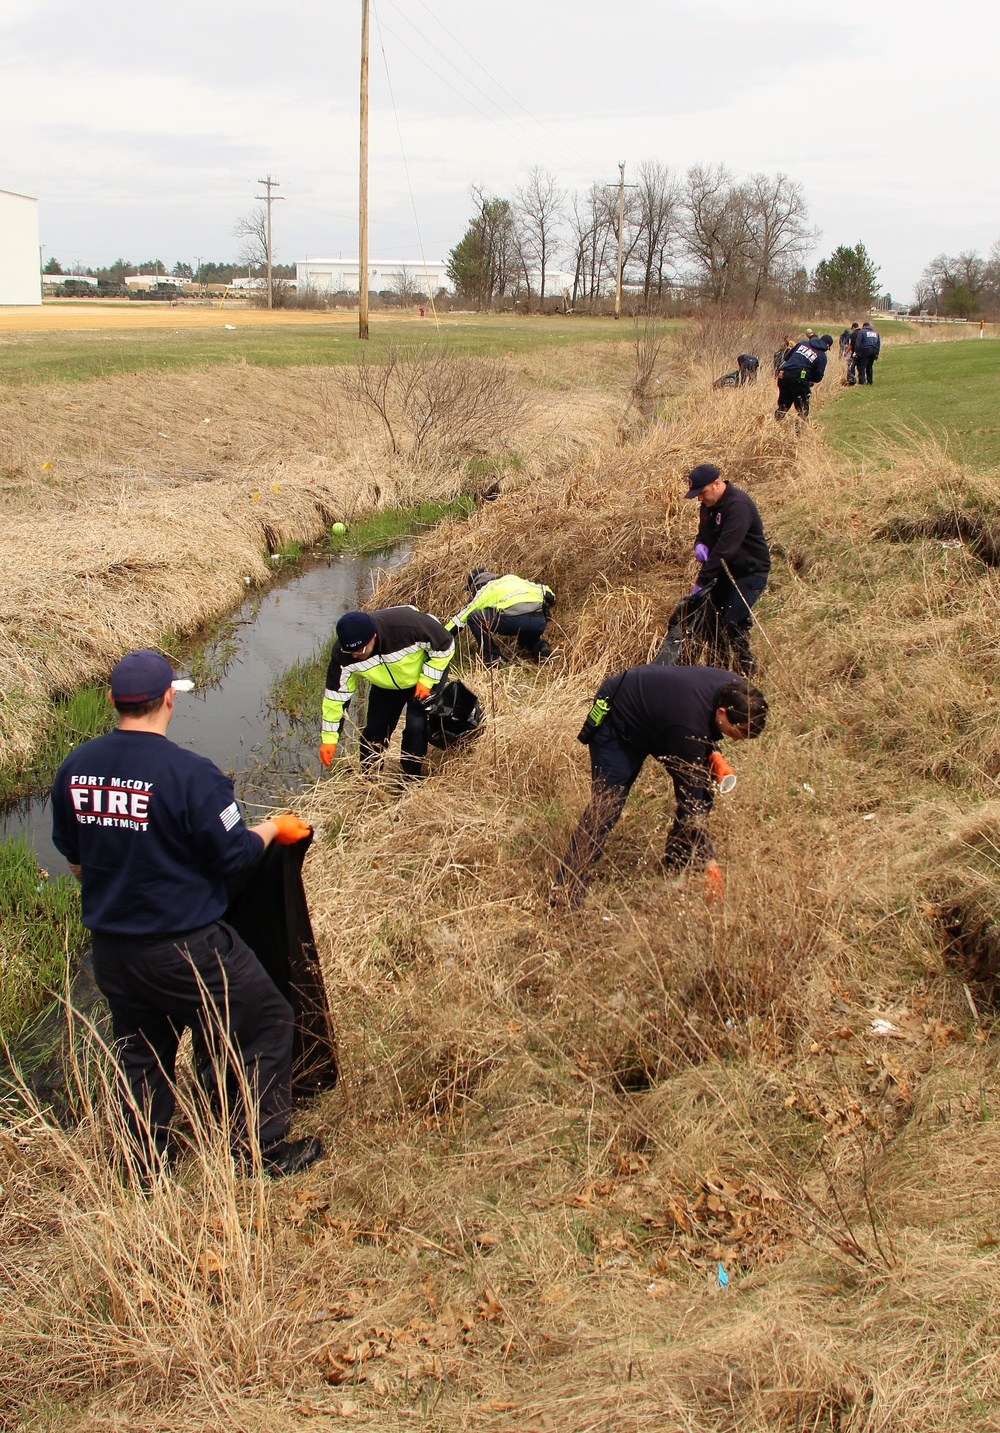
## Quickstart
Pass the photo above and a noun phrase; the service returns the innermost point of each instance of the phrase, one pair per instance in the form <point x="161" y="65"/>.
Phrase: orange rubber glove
<point x="722" y="773"/>
<point x="290" y="829"/>
<point x="327" y="752"/>
<point x="421" y="691"/>
<point x="714" y="889"/>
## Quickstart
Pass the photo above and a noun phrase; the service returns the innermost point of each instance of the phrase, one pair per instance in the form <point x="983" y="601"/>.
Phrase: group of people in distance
<point x="152" y="830"/>
<point x="860" y="347"/>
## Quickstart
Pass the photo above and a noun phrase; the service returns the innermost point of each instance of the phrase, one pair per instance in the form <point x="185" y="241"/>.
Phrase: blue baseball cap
<point x="140" y="677"/>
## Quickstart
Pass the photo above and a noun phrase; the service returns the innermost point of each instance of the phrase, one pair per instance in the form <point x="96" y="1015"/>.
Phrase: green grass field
<point x="949" y="391"/>
<point x="74" y="355"/>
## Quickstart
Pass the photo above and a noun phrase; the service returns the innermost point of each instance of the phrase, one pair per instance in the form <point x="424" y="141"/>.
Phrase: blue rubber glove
<point x="695" y="590"/>
<point x="700" y="552"/>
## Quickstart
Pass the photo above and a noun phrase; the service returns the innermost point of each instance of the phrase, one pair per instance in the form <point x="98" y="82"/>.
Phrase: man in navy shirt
<point x="677" y="715"/>
<point x="802" y="366"/>
<point x="866" y="346"/>
<point x="734" y="556"/>
<point x="152" y="830"/>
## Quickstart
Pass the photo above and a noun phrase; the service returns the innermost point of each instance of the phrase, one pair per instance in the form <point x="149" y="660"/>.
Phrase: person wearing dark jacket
<point x="866" y="345"/>
<point x="801" y="368"/>
<point x="677" y="715"/>
<point x="734" y="556"/>
<point x="152" y="832"/>
<point x="403" y="654"/>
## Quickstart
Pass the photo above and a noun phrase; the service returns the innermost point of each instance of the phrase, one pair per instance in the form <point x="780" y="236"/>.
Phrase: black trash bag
<point x="728" y="380"/>
<point x="691" y="629"/>
<point x="267" y="908"/>
<point x="453" y="712"/>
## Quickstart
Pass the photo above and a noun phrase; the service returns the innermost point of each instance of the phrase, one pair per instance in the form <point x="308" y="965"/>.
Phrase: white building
<point x="341" y="276"/>
<point x="19" y="278"/>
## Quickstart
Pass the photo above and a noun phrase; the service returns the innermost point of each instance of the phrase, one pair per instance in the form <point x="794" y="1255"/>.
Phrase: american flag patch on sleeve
<point x="230" y="817"/>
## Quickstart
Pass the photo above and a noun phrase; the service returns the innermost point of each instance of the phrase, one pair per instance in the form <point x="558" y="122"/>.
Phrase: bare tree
<point x="777" y="231"/>
<point x="655" y="206"/>
<point x="252" y="229"/>
<point x="540" y="213"/>
<point x="715" y="231"/>
<point x="593" y="221"/>
<point x="404" y="286"/>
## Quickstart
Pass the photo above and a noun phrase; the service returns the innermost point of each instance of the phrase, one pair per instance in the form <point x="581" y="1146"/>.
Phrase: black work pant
<point x="208" y="981"/>
<point x="614" y="767"/>
<point x="385" y="707"/>
<point x="732" y="602"/>
<point x="527" y="627"/>
<point x="864" y="362"/>
<point x="793" y="392"/>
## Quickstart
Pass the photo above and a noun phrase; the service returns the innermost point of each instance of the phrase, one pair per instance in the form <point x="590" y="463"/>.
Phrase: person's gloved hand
<point x="290" y="829"/>
<point x="327" y="751"/>
<point x="701" y="552"/>
<point x="421" y="691"/>
<point x="714" y="889"/>
<point x="722" y="773"/>
<point x="695" y="590"/>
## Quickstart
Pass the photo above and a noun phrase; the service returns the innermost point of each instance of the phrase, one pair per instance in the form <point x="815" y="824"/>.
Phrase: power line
<point x="455" y="90"/>
<point x="493" y="80"/>
<point x="406" y="167"/>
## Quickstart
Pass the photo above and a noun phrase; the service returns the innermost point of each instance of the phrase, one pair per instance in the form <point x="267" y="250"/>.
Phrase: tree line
<point x="702" y="235"/>
<point x="961" y="286"/>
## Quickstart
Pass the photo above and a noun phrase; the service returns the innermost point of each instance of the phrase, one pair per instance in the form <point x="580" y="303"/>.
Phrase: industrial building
<point x="341" y="276"/>
<point x="20" y="281"/>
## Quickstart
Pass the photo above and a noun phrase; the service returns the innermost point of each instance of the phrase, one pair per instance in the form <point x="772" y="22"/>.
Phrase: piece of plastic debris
<point x="230" y="326"/>
<point x="256" y="497"/>
<point x="274" y="487"/>
<point x="206" y="420"/>
<point x="164" y="435"/>
<point x="275" y="556"/>
<point x="46" y="467"/>
<point x="869" y="817"/>
<point x="807" y="787"/>
<point x="883" y="1027"/>
<point x="723" y="1278"/>
<point x="247" y="581"/>
<point x="183" y="684"/>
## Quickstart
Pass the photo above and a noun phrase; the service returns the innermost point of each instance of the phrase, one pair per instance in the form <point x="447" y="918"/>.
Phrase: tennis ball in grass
<point x="339" y="529"/>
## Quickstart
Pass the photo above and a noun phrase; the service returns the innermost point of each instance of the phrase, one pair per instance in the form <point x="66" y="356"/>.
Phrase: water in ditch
<point x="231" y="718"/>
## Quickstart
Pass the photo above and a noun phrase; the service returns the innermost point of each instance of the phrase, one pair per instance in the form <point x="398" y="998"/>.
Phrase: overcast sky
<point x="142" y="132"/>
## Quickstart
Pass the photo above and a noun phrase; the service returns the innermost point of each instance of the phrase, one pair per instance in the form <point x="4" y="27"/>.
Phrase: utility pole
<point x="269" y="184"/>
<point x="621" y="230"/>
<point x="622" y="186"/>
<point x="363" y="186"/>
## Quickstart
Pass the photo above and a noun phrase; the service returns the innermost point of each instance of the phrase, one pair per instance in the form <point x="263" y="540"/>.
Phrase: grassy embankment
<point x="554" y="1127"/>
<point x="950" y="396"/>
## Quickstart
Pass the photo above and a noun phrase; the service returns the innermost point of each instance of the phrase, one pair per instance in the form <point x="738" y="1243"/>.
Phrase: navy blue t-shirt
<point x="156" y="830"/>
<point x="668" y="711"/>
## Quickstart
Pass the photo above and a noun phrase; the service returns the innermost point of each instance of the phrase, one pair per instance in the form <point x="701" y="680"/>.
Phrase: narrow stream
<point x="230" y="720"/>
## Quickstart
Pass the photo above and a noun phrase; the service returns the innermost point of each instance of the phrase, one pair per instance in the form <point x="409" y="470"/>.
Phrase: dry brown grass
<point x="137" y="507"/>
<point x="554" y="1127"/>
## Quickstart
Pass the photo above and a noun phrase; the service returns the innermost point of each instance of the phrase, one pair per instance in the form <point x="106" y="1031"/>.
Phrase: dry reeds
<point x="554" y="1127"/>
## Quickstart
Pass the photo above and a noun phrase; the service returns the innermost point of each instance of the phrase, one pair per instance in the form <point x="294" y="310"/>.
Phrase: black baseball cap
<point x="700" y="478"/>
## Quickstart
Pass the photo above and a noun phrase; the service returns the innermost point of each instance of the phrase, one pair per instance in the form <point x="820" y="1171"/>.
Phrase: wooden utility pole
<point x="269" y="184"/>
<point x="621" y="233"/>
<point x="363" y="191"/>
